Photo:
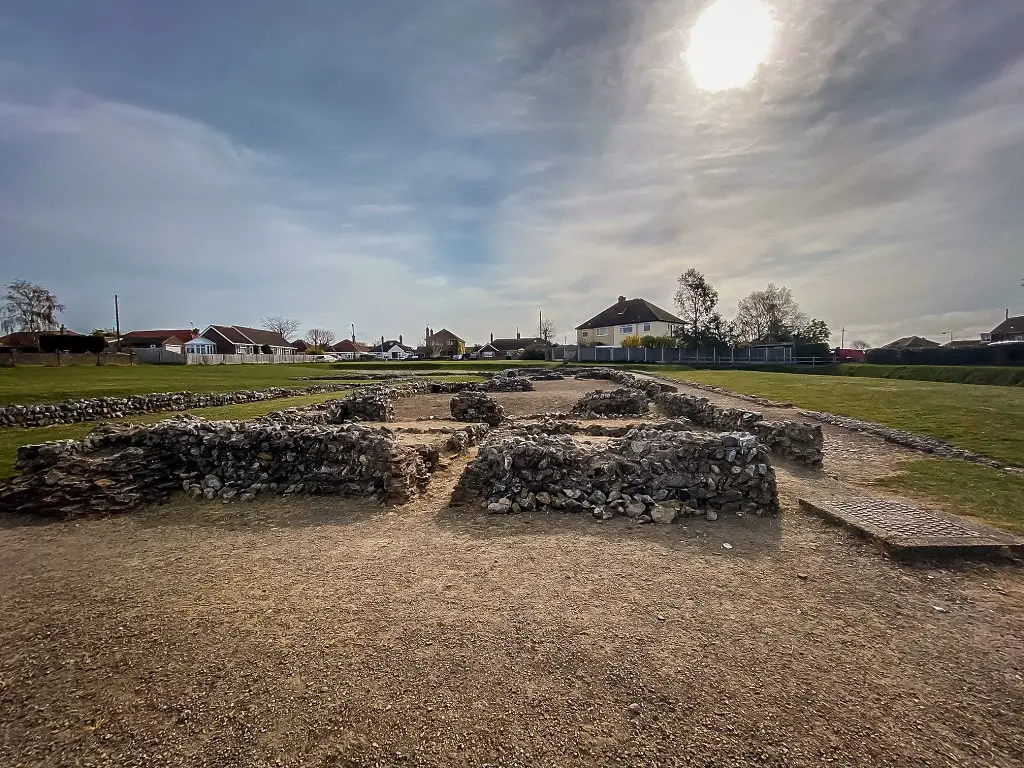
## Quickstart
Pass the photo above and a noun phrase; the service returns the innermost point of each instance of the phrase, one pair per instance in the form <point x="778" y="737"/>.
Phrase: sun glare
<point x="729" y="42"/>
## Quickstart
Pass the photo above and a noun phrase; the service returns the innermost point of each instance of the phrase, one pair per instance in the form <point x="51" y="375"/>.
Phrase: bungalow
<point x="911" y="342"/>
<point x="350" y="350"/>
<point x="170" y="340"/>
<point x="239" y="340"/>
<point x="302" y="346"/>
<point x="508" y="349"/>
<point x="443" y="344"/>
<point x="392" y="350"/>
<point x="626" y="317"/>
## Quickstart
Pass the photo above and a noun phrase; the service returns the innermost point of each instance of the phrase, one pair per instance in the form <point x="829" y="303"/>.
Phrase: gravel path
<point x="318" y="632"/>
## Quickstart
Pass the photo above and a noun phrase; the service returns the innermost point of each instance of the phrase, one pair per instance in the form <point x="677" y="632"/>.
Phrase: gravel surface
<point x="318" y="632"/>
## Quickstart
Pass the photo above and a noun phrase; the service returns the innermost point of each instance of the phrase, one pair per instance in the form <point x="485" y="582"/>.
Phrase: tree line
<point x="763" y="317"/>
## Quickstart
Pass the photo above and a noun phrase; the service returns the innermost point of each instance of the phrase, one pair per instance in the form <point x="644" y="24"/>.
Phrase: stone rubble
<point x="649" y="387"/>
<point x="120" y="467"/>
<point x="605" y="403"/>
<point x="650" y="475"/>
<point x="509" y="383"/>
<point x="804" y="443"/>
<point x="476" y="406"/>
<point x="98" y="408"/>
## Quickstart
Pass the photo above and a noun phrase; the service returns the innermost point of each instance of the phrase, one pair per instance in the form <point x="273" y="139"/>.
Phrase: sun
<point x="729" y="42"/>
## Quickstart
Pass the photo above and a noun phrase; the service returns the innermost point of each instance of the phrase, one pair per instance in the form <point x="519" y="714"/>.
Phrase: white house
<point x="626" y="317"/>
<point x="392" y="350"/>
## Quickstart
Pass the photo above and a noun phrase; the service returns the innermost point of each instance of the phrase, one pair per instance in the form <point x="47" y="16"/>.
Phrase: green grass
<point x="988" y="494"/>
<point x="14" y="438"/>
<point x="42" y="384"/>
<point x="954" y="374"/>
<point x="985" y="419"/>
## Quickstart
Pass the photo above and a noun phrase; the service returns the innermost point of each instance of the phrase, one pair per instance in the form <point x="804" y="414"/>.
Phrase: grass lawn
<point x="988" y="494"/>
<point x="985" y="419"/>
<point x="41" y="384"/>
<point x="12" y="439"/>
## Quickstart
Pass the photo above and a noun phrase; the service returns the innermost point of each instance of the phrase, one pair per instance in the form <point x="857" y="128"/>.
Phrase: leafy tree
<point x="695" y="301"/>
<point x="656" y="342"/>
<point x="859" y="344"/>
<point x="631" y="341"/>
<point x="814" y="332"/>
<point x="29" y="307"/>
<point x="769" y="315"/>
<point x="717" y="332"/>
<point x="285" y="326"/>
<point x="321" y="338"/>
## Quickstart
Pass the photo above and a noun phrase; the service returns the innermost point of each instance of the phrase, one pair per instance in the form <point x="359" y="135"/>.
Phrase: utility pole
<point x="842" y="339"/>
<point x="353" y="333"/>
<point x="117" y="322"/>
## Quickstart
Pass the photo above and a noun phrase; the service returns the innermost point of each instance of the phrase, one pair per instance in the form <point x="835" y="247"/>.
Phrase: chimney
<point x="622" y="299"/>
<point x="1007" y="313"/>
<point x="517" y="334"/>
<point x="426" y="332"/>
<point x="400" y="339"/>
<point x="492" y="338"/>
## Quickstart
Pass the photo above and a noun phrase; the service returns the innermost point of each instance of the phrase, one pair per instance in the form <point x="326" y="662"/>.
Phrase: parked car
<point x="456" y="357"/>
<point x="326" y="359"/>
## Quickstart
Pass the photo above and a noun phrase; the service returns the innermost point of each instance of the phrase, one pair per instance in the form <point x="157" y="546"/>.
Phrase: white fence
<point x="192" y="359"/>
<point x="162" y="356"/>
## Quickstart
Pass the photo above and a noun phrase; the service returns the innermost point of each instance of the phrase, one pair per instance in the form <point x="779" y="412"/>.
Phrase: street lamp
<point x="950" y="334"/>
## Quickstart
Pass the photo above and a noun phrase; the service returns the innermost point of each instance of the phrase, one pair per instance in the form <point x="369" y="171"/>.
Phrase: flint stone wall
<point x="604" y="403"/>
<point x="98" y="408"/>
<point x="649" y="387"/>
<point x="651" y="475"/>
<point x="804" y="443"/>
<point x="120" y="467"/>
<point x="476" y="406"/>
<point x="509" y="384"/>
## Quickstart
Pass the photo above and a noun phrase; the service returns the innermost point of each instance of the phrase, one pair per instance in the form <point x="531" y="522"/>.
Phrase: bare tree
<point x="286" y="326"/>
<point x="695" y="299"/>
<point x="321" y="338"/>
<point x="859" y="344"/>
<point x="547" y="329"/>
<point x="769" y="315"/>
<point x="29" y="307"/>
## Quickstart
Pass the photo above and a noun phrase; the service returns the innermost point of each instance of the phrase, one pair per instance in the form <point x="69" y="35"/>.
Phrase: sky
<point x="467" y="164"/>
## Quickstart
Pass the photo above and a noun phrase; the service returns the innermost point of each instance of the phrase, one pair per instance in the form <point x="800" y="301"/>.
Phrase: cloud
<point x="467" y="164"/>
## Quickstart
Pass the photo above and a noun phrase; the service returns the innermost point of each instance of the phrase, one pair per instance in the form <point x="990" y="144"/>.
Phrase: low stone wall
<point x="508" y="384"/>
<point x="476" y="406"/>
<point x="651" y="475"/>
<point x="804" y="443"/>
<point x="120" y="467"/>
<point x="910" y="440"/>
<point x="604" y="403"/>
<point x="451" y="387"/>
<point x="649" y="387"/>
<point x="98" y="408"/>
<point x="551" y="426"/>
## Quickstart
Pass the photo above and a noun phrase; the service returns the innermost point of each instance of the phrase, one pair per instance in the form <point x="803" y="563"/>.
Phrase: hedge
<point x="996" y="354"/>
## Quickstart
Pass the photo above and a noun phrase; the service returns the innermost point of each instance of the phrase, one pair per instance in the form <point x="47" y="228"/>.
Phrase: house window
<point x="647" y="326"/>
<point x="602" y="331"/>
<point x="627" y="329"/>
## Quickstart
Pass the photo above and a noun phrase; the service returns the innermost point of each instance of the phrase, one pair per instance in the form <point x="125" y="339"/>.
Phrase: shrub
<point x="54" y="342"/>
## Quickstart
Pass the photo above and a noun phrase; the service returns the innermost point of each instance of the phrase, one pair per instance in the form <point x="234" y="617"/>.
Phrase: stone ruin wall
<point x="605" y="403"/>
<point x="314" y="449"/>
<point x="652" y="475"/>
<point x="98" y="408"/>
<point x="476" y="406"/>
<point x="803" y="443"/>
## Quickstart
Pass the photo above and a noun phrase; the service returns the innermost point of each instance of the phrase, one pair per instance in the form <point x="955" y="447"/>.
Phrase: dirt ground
<point x="322" y="632"/>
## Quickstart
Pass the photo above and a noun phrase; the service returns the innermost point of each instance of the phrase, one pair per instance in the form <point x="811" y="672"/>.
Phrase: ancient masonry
<point x="653" y="475"/>
<point x="476" y="406"/>
<point x="799" y="442"/>
<point x="97" y="408"/>
<point x="118" y="467"/>
<point x="602" y="403"/>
